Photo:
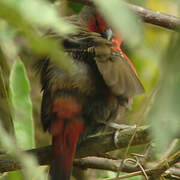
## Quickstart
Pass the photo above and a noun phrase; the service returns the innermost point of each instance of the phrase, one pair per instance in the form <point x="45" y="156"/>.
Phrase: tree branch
<point x="164" y="165"/>
<point x="93" y="146"/>
<point x="156" y="17"/>
<point x="132" y="167"/>
<point x="148" y="15"/>
<point x="97" y="145"/>
<point x="128" y="167"/>
<point x="104" y="164"/>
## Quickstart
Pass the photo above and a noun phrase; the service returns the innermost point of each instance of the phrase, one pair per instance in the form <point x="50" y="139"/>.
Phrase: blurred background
<point x="154" y="51"/>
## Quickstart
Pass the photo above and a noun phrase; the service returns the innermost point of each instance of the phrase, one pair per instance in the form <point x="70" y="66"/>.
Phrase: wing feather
<point x="119" y="76"/>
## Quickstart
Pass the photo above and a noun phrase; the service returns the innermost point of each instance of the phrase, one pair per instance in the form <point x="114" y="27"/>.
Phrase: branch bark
<point x="156" y="17"/>
<point x="93" y="146"/>
<point x="148" y="15"/>
<point x="128" y="167"/>
<point x="132" y="168"/>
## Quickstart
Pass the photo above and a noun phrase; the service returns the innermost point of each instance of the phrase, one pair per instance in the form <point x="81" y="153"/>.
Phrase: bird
<point x="102" y="80"/>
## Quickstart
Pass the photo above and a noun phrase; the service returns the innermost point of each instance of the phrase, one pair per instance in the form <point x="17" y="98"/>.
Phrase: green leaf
<point x="75" y="6"/>
<point x="11" y="11"/>
<point x="124" y="21"/>
<point x="15" y="175"/>
<point x="40" y="12"/>
<point x="165" y="112"/>
<point x="19" y="91"/>
<point x="135" y="178"/>
<point x="28" y="162"/>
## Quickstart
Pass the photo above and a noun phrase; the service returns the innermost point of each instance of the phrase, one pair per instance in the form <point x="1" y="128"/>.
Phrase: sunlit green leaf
<point x="7" y="36"/>
<point x="41" y="13"/>
<point x="15" y="175"/>
<point x="40" y="45"/>
<point x="20" y="97"/>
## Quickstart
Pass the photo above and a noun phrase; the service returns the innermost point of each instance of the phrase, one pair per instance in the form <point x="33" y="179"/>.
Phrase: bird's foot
<point x="117" y="126"/>
<point x="116" y="135"/>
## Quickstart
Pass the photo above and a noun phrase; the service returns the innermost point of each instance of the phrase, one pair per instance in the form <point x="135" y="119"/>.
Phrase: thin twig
<point x="148" y="15"/>
<point x="164" y="165"/>
<point x="170" y="149"/>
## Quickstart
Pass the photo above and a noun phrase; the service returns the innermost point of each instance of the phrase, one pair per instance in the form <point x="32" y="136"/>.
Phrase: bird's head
<point x="96" y="23"/>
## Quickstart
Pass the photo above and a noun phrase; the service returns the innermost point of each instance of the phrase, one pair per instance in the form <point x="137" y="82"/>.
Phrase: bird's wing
<point x="119" y="75"/>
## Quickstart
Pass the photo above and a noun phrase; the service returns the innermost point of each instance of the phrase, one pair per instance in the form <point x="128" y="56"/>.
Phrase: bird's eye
<point x="97" y="25"/>
<point x="107" y="34"/>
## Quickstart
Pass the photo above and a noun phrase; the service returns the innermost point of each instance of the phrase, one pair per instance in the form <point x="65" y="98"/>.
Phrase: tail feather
<point x="57" y="171"/>
<point x="66" y="134"/>
<point x="64" y="148"/>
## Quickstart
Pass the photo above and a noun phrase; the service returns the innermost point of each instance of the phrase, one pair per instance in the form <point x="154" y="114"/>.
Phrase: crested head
<point x="96" y="23"/>
<point x="93" y="20"/>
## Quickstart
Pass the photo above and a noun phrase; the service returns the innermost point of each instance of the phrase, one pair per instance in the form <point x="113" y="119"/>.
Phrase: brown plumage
<point x="74" y="103"/>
